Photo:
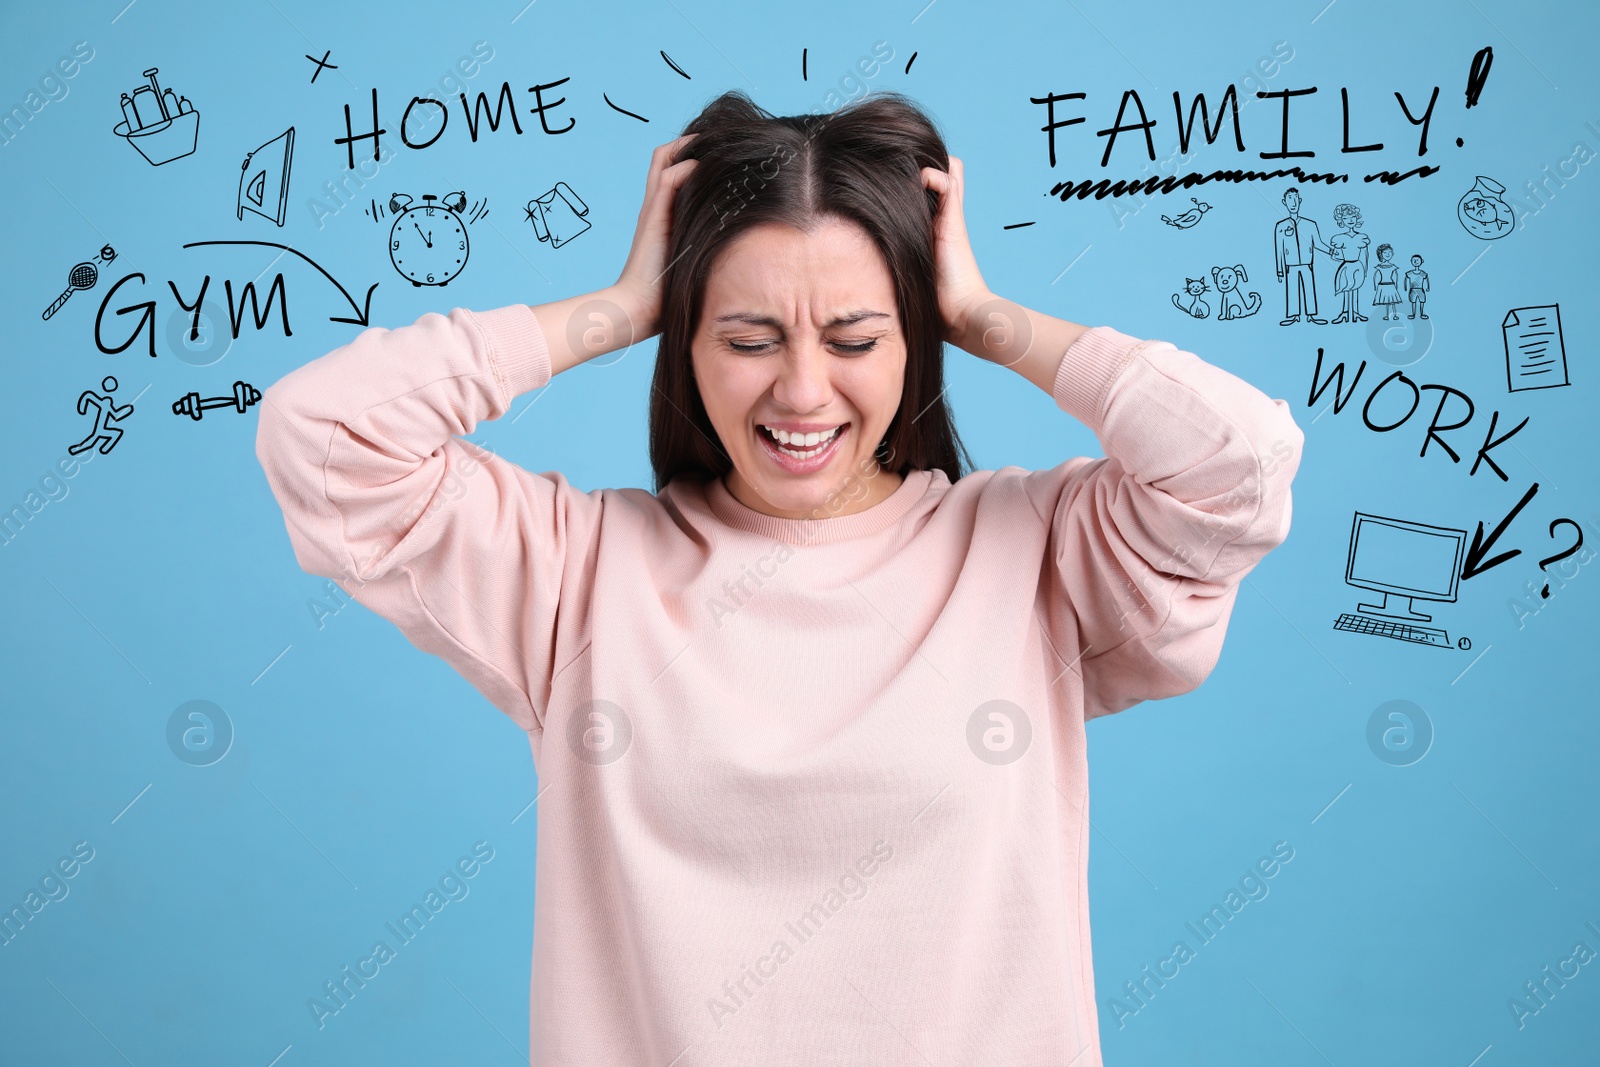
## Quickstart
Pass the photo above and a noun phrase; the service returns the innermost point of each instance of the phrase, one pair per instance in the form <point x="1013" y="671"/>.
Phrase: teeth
<point x="805" y="445"/>
<point x="806" y="440"/>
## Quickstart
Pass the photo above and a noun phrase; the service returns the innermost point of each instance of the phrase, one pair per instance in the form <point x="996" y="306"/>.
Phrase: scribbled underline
<point x="1106" y="187"/>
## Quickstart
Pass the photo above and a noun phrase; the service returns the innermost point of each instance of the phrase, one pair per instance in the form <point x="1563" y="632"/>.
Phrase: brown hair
<point x="861" y="164"/>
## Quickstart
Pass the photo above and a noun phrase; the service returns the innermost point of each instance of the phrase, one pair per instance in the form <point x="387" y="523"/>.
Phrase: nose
<point x="804" y="381"/>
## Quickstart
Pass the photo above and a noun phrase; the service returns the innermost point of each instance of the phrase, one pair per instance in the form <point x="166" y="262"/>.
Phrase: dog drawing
<point x="1235" y="304"/>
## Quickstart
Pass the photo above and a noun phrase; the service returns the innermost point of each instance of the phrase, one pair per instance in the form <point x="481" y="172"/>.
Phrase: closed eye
<point x="859" y="349"/>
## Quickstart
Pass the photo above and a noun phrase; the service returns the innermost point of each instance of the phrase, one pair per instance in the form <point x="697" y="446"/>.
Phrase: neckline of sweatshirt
<point x="914" y="486"/>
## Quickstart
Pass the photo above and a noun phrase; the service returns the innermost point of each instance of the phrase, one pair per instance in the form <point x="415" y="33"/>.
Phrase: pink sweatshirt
<point x="810" y="791"/>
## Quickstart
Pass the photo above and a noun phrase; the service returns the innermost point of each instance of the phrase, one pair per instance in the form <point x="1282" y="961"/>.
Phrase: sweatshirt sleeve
<point x="467" y="554"/>
<point x="1148" y="545"/>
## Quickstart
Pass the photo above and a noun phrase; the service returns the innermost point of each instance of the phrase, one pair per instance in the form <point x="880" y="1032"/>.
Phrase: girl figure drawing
<point x="1386" y="283"/>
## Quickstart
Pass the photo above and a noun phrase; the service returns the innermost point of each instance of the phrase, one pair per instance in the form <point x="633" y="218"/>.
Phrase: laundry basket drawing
<point x="161" y="126"/>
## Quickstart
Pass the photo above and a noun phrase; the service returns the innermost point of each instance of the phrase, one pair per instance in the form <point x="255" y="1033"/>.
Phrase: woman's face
<point x="801" y="332"/>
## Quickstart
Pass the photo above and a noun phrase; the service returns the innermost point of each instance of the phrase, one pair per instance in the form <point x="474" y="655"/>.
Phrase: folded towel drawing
<point x="558" y="215"/>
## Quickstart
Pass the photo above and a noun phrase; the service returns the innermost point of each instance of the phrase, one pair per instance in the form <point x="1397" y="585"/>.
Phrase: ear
<point x="1214" y="272"/>
<point x="1240" y="270"/>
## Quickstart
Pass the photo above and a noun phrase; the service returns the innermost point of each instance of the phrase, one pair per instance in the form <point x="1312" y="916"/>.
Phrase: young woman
<point x="808" y="720"/>
<point x="1349" y="247"/>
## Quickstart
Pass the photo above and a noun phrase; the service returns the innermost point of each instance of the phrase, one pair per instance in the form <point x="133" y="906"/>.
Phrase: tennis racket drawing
<point x="83" y="276"/>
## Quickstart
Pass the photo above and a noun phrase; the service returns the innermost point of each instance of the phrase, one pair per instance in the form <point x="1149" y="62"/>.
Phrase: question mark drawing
<point x="1559" y="556"/>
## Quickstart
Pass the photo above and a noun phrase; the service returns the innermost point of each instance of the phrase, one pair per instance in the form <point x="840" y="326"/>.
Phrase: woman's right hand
<point x="640" y="283"/>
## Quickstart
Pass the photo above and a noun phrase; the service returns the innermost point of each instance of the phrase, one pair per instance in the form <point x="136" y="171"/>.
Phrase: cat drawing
<point x="1196" y="307"/>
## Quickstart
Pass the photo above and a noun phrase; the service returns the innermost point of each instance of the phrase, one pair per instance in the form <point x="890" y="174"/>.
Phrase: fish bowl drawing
<point x="162" y="126"/>
<point x="1483" y="213"/>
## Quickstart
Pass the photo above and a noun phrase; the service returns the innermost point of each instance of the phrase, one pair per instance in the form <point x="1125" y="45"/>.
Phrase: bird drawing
<point x="1190" y="217"/>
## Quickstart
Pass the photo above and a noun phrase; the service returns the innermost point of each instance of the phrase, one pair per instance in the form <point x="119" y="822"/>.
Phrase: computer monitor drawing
<point x="1403" y="560"/>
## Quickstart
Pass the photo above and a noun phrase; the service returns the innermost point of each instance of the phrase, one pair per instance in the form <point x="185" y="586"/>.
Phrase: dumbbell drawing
<point x="244" y="395"/>
<point x="106" y="415"/>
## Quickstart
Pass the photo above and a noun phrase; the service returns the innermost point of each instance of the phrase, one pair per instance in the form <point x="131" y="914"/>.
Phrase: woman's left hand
<point x="961" y="285"/>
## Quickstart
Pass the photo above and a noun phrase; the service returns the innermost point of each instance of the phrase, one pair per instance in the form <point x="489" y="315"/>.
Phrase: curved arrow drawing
<point x="361" y="310"/>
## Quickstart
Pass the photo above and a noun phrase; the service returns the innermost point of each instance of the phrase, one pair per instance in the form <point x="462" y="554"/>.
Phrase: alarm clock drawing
<point x="428" y="242"/>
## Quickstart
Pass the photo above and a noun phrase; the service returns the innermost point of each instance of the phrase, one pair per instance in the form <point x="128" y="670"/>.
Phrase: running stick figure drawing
<point x="106" y="414"/>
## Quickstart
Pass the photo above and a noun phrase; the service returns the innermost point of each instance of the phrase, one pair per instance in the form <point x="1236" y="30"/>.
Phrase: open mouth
<point x="801" y="453"/>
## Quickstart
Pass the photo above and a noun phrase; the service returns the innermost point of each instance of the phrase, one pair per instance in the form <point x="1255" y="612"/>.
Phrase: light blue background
<point x="1416" y="904"/>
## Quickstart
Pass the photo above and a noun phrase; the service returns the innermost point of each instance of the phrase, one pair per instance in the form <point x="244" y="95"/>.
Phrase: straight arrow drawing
<point x="1474" y="563"/>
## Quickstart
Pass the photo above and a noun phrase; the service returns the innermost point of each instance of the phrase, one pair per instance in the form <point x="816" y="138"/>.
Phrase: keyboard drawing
<point x="1400" y="631"/>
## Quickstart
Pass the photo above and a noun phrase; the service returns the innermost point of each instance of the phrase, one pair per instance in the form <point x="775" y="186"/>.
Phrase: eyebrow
<point x="849" y="318"/>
